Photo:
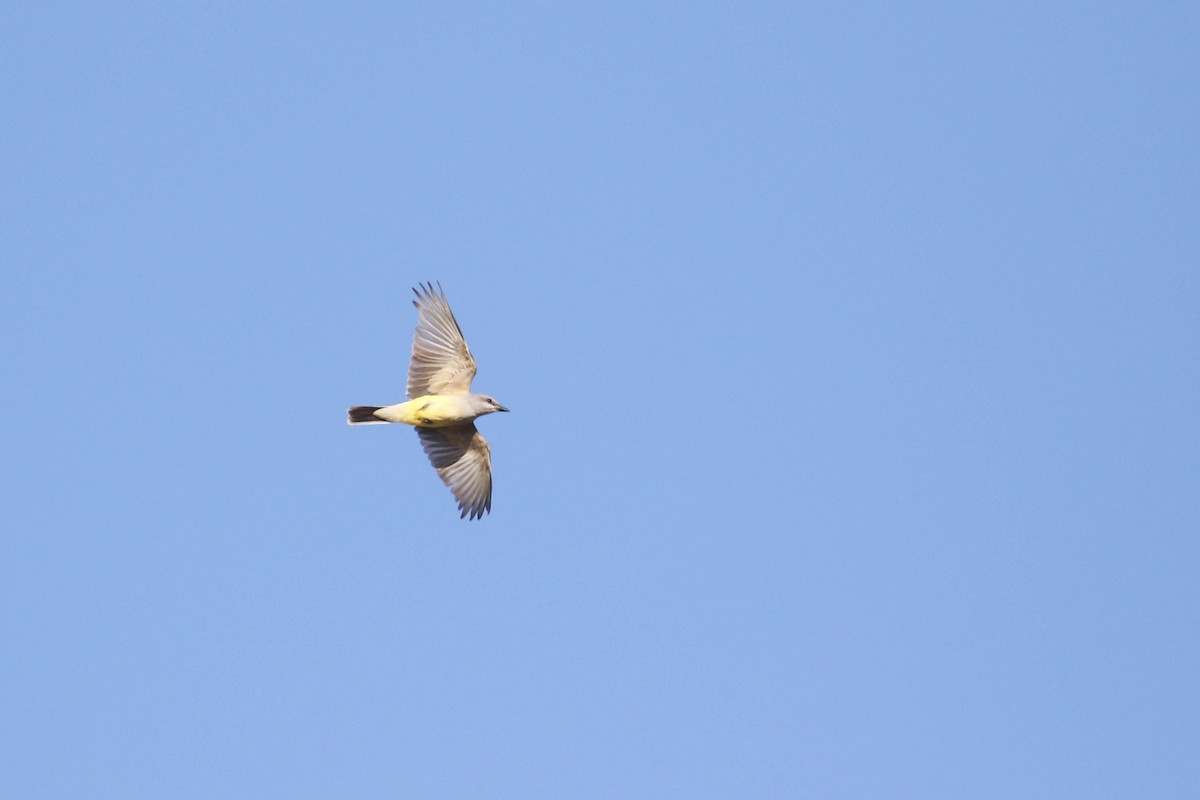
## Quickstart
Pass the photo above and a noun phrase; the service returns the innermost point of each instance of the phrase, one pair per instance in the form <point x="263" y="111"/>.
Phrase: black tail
<point x="363" y="415"/>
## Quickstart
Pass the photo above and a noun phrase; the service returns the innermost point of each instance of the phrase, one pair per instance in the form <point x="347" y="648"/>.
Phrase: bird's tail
<point x="363" y="415"/>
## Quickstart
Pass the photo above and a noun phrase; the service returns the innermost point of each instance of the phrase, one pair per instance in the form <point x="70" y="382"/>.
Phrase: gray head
<point x="482" y="404"/>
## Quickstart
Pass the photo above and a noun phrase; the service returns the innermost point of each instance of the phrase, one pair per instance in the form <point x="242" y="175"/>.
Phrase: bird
<point x="441" y="405"/>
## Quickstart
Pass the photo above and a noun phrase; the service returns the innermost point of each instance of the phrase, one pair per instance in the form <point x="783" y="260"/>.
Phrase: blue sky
<point x="852" y="354"/>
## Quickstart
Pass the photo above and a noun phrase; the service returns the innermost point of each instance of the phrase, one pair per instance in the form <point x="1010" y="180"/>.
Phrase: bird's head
<point x="486" y="405"/>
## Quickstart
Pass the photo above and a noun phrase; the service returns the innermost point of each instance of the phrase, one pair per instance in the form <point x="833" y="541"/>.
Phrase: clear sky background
<point x="853" y="359"/>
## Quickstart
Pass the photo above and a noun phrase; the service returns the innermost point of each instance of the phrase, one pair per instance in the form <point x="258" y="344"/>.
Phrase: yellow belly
<point x="430" y="411"/>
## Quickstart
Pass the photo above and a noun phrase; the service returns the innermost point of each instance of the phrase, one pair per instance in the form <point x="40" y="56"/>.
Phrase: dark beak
<point x="500" y="407"/>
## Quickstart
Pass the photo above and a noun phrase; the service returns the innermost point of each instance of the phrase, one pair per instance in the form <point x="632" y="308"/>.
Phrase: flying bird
<point x="441" y="405"/>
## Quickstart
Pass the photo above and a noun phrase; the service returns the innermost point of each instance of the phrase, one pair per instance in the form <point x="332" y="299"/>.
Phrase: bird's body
<point x="442" y="407"/>
<point x="431" y="411"/>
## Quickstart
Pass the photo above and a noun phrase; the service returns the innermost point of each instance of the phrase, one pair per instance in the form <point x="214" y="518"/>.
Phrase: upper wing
<point x="463" y="459"/>
<point x="441" y="362"/>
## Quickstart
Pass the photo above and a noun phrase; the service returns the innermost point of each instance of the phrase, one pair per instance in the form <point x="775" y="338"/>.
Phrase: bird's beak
<point x="501" y="408"/>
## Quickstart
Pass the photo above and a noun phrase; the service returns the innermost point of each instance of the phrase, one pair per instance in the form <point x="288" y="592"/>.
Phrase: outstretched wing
<point x="441" y="362"/>
<point x="463" y="460"/>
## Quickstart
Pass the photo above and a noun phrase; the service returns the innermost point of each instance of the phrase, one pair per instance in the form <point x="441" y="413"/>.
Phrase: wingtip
<point x="475" y="511"/>
<point x="424" y="291"/>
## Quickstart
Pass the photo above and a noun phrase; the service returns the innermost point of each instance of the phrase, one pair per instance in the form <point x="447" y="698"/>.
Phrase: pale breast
<point x="430" y="411"/>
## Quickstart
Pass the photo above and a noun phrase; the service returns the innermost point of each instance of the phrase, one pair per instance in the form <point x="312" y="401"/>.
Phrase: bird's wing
<point x="441" y="362"/>
<point x="463" y="460"/>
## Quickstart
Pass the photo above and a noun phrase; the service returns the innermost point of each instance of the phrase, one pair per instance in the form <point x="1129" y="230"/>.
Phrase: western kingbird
<point x="441" y="405"/>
